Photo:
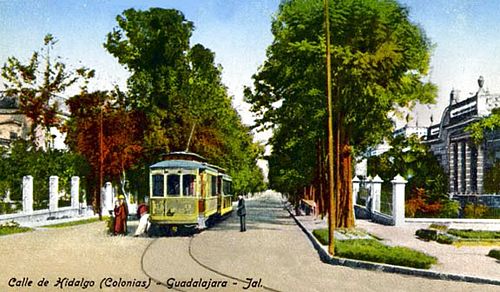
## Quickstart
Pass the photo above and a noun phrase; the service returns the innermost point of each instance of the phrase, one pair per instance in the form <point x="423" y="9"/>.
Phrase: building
<point x="15" y="125"/>
<point x="463" y="161"/>
<point x="407" y="131"/>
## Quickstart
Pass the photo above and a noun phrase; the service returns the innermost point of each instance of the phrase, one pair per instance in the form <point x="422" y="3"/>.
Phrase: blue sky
<point x="465" y="32"/>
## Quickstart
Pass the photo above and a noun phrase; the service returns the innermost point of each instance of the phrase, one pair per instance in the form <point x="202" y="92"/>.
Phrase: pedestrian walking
<point x="242" y="213"/>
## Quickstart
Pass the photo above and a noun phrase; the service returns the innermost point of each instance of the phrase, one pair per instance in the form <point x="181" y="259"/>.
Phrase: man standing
<point x="242" y="213"/>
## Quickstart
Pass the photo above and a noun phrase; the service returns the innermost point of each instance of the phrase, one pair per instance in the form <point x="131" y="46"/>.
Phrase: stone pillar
<point x="376" y="193"/>
<point x="75" y="190"/>
<point x="480" y="169"/>
<point x="459" y="168"/>
<point x="107" y="199"/>
<point x="451" y="174"/>
<point x="355" y="189"/>
<point x="53" y="193"/>
<point x="28" y="194"/>
<point x="398" y="200"/>
<point x="468" y="172"/>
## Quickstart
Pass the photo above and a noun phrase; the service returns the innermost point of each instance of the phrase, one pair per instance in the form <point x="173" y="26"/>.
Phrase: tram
<point x="186" y="191"/>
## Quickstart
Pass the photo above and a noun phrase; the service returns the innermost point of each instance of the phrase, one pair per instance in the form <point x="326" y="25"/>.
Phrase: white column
<point x="459" y="168"/>
<point x="468" y="170"/>
<point x="376" y="193"/>
<point x="368" y="186"/>
<point x="355" y="189"/>
<point x="53" y="193"/>
<point x="75" y="189"/>
<point x="398" y="200"/>
<point x="451" y="169"/>
<point x="480" y="168"/>
<point x="27" y="194"/>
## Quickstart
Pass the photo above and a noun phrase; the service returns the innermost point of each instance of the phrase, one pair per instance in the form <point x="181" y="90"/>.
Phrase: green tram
<point x="186" y="191"/>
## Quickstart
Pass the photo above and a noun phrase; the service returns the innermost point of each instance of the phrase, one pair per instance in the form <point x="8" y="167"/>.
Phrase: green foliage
<point x="475" y="210"/>
<point x="440" y="227"/>
<point x="378" y="60"/>
<point x="12" y="227"/>
<point x="475" y="234"/>
<point x="179" y="87"/>
<point x="479" y="129"/>
<point x="427" y="234"/>
<point x="25" y="160"/>
<point x="374" y="251"/>
<point x="494" y="253"/>
<point x="445" y="239"/>
<point x="413" y="160"/>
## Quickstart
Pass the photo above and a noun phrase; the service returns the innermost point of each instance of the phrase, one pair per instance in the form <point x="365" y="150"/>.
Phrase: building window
<point x="13" y="135"/>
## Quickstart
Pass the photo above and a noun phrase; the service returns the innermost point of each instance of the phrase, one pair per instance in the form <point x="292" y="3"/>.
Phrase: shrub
<point x="419" y="205"/>
<point x="440" y="227"/>
<point x="445" y="239"/>
<point x="427" y="234"/>
<point x="474" y="210"/>
<point x="450" y="209"/>
<point x="494" y="253"/>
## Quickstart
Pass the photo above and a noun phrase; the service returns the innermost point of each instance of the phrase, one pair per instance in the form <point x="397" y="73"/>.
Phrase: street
<point x="273" y="255"/>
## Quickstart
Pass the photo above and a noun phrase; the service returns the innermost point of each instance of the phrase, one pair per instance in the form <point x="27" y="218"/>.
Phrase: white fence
<point x="28" y="215"/>
<point x="371" y="208"/>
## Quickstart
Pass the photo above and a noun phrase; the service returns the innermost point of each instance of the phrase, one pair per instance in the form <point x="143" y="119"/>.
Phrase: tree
<point x="107" y="134"/>
<point x="179" y="88"/>
<point x="36" y="85"/>
<point x="379" y="59"/>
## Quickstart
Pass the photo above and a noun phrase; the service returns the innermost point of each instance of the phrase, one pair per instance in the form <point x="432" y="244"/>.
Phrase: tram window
<point x="188" y="181"/>
<point x="158" y="185"/>
<point x="214" y="185"/>
<point x="173" y="184"/>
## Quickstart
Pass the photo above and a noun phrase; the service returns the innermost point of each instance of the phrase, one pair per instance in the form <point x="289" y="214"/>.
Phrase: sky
<point x="465" y="34"/>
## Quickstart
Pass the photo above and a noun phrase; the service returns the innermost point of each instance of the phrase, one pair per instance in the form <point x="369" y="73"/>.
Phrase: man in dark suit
<point x="242" y="213"/>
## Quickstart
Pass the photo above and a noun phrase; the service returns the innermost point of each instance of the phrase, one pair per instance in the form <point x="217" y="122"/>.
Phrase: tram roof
<point x="186" y="164"/>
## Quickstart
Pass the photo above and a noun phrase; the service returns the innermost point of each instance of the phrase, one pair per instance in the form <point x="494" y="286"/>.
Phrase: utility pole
<point x="101" y="162"/>
<point x="331" y="196"/>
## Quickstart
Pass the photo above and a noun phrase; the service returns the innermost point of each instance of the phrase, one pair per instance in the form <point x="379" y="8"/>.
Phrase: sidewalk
<point x="466" y="260"/>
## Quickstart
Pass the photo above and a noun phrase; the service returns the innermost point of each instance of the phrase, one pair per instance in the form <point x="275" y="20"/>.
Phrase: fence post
<point x="28" y="194"/>
<point x="398" y="200"/>
<point x="75" y="189"/>
<point x="355" y="189"/>
<point x="376" y="193"/>
<point x="53" y="193"/>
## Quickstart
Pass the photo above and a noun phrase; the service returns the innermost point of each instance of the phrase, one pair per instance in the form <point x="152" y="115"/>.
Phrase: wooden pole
<point x="332" y="206"/>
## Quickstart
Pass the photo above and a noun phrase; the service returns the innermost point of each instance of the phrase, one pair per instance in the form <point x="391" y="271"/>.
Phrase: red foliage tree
<point x="107" y="134"/>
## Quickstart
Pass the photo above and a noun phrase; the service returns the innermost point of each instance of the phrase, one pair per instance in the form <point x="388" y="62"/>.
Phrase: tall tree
<point x="107" y="134"/>
<point x="37" y="83"/>
<point x="379" y="61"/>
<point x="179" y="87"/>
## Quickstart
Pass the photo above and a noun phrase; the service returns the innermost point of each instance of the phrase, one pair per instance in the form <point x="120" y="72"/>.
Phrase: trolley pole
<point x="331" y="195"/>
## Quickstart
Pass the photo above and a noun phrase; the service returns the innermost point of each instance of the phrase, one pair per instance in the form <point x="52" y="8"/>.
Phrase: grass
<point x="374" y="251"/>
<point x="12" y="227"/>
<point x="474" y="234"/>
<point x="73" y="223"/>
